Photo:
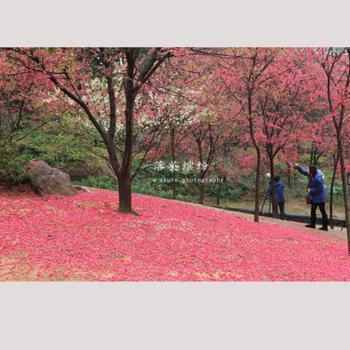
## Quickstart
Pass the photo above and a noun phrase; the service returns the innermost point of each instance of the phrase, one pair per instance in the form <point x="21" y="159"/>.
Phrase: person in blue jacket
<point x="318" y="192"/>
<point x="279" y="195"/>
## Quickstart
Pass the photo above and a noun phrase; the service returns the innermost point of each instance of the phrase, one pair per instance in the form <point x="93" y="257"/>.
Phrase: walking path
<point x="337" y="232"/>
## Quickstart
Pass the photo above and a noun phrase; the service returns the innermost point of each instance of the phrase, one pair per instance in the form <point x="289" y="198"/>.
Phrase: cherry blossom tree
<point x="283" y="101"/>
<point x="105" y="83"/>
<point x="336" y="67"/>
<point x="243" y="76"/>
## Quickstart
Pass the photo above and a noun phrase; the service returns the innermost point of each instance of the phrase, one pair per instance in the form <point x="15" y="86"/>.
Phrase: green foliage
<point x="229" y="189"/>
<point x="144" y="186"/>
<point x="150" y="182"/>
<point x="62" y="143"/>
<point x="11" y="162"/>
<point x="103" y="182"/>
<point x="56" y="148"/>
<point x="65" y="144"/>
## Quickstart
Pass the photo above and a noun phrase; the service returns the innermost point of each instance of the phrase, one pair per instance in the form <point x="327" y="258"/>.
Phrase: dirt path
<point x="335" y="233"/>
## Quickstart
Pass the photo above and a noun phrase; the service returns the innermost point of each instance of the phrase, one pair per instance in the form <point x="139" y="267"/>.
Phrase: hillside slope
<point x="83" y="237"/>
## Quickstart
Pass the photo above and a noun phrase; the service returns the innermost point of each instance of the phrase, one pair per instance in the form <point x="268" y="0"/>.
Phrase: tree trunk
<point x="257" y="174"/>
<point x="173" y="185"/>
<point x="218" y="194"/>
<point x="173" y="157"/>
<point x="257" y="185"/>
<point x="201" y="193"/>
<point x="258" y="157"/>
<point x="202" y="173"/>
<point x="273" y="187"/>
<point x="313" y="155"/>
<point x="124" y="188"/>
<point x="311" y="160"/>
<point x="124" y="180"/>
<point x="331" y="195"/>
<point x="345" y="185"/>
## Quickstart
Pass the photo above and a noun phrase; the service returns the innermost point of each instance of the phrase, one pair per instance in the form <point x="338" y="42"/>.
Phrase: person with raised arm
<point x="317" y="194"/>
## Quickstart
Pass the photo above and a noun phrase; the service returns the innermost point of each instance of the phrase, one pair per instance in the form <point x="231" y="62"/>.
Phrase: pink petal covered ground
<point x="82" y="237"/>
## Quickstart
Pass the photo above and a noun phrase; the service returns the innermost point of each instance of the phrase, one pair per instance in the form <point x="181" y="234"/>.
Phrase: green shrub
<point x="103" y="182"/>
<point x="11" y="162"/>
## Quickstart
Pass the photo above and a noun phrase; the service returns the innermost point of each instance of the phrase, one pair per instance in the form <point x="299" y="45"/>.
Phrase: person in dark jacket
<point x="278" y="195"/>
<point x="317" y="190"/>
